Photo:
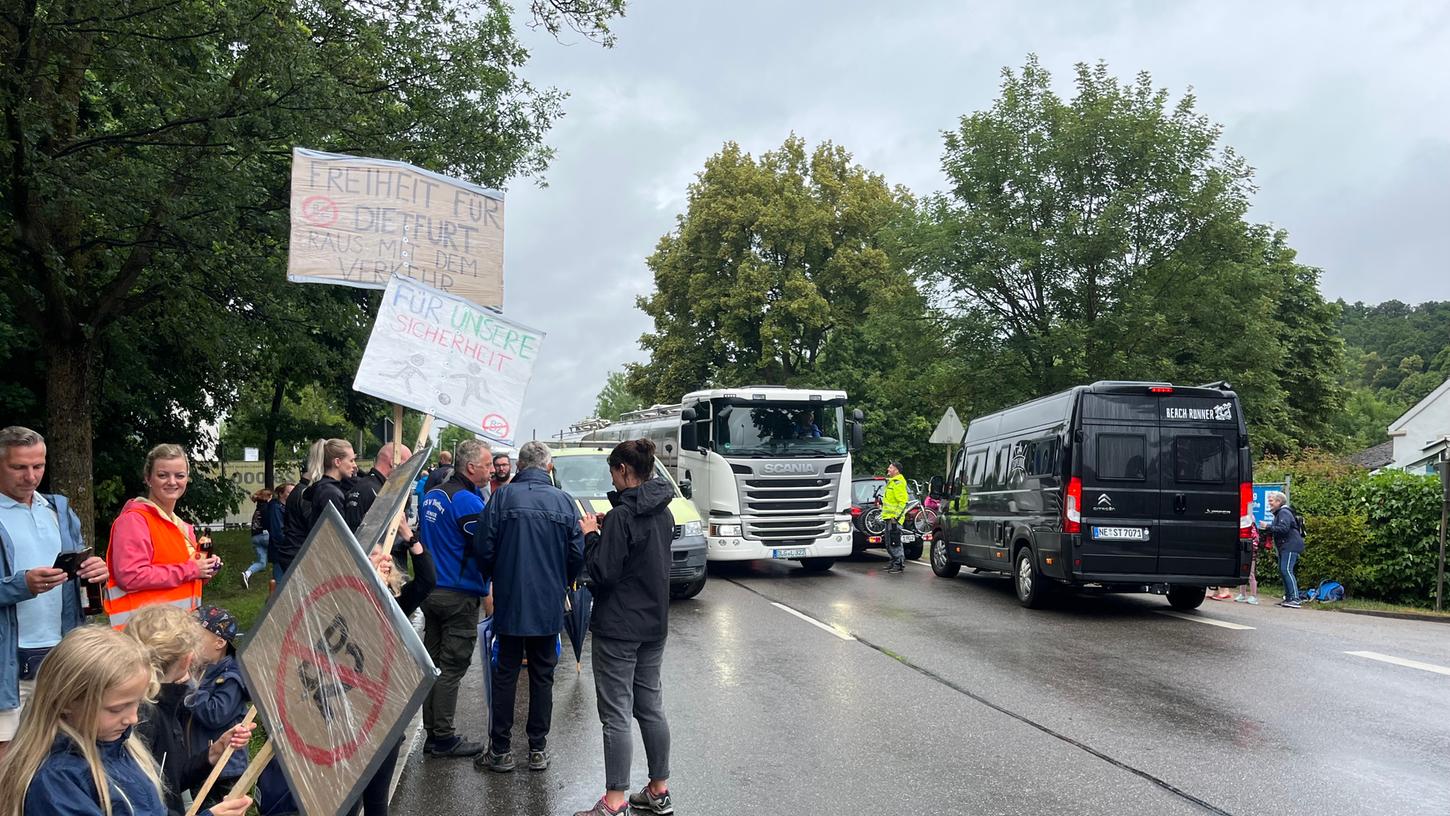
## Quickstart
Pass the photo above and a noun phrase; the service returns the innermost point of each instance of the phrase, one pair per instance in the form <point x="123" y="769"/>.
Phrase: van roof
<point x="1055" y="409"/>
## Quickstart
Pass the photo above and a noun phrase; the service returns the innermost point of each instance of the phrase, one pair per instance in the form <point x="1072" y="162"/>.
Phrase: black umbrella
<point x="578" y="604"/>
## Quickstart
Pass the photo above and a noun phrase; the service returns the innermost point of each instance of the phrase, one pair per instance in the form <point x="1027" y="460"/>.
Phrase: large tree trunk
<point x="70" y="403"/>
<point x="269" y="446"/>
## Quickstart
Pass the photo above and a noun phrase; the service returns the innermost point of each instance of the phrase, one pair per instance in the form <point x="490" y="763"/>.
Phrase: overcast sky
<point x="1343" y="108"/>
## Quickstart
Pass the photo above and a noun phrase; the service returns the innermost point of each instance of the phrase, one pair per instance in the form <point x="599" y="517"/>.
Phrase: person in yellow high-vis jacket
<point x="893" y="512"/>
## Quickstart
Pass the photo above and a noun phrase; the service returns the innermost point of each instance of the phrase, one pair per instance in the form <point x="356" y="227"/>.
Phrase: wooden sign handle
<point x="397" y="435"/>
<point x="248" y="780"/>
<point x="423" y="432"/>
<point x="216" y="770"/>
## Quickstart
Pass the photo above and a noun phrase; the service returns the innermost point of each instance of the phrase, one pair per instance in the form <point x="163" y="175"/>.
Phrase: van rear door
<point x="1119" y="472"/>
<point x="1198" y="466"/>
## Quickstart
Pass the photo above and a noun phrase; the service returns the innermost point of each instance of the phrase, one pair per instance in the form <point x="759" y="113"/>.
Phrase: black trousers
<point x="374" y="801"/>
<point x="543" y="656"/>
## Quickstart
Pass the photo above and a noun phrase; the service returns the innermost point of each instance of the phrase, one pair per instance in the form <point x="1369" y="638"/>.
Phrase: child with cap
<point x="220" y="700"/>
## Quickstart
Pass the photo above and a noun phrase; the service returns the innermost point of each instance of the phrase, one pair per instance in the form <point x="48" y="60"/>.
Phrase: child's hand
<point x="238" y="736"/>
<point x="232" y="807"/>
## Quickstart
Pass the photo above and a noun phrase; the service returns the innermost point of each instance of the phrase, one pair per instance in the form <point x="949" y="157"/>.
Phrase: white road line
<point x="1201" y="619"/>
<point x="812" y="621"/>
<point x="1400" y="661"/>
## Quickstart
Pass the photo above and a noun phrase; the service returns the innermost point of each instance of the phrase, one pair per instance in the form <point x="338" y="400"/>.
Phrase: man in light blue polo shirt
<point x="36" y="608"/>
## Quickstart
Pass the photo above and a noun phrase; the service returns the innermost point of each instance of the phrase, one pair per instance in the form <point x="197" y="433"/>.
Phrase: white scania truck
<point x="768" y="467"/>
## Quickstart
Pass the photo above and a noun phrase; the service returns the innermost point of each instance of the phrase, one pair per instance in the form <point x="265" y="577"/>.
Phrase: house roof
<point x="1420" y="406"/>
<point x="1376" y="457"/>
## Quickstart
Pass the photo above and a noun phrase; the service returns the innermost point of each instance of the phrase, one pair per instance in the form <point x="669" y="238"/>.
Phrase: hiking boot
<point x="539" y="760"/>
<point x="647" y="802"/>
<point x="601" y="809"/>
<point x="498" y="763"/>
<point x="454" y="746"/>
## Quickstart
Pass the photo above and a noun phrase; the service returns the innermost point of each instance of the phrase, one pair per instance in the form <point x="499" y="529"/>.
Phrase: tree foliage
<point x="615" y="398"/>
<point x="145" y="188"/>
<point x="1104" y="238"/>
<point x="1394" y="356"/>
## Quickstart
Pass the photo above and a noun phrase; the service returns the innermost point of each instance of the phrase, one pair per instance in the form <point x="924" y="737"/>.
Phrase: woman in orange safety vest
<point x="154" y="556"/>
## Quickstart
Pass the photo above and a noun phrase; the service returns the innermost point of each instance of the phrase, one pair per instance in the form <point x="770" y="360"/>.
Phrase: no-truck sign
<point x="335" y="669"/>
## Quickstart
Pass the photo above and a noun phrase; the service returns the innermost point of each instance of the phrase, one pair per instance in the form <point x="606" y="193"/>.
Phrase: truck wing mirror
<point x="688" y="415"/>
<point x="689" y="439"/>
<point x="686" y="489"/>
<point x="858" y="435"/>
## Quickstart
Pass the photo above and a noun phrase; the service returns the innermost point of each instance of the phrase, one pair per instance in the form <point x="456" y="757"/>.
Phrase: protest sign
<point x="335" y="670"/>
<point x="359" y="221"/>
<point x="444" y="356"/>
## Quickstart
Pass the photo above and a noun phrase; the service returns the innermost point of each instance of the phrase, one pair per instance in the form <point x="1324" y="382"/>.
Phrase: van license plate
<point x="1120" y="533"/>
<point x="794" y="552"/>
<point x="907" y="538"/>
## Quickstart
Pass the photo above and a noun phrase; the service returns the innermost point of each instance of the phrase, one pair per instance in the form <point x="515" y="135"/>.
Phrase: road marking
<point x="1400" y="661"/>
<point x="813" y="622"/>
<point x="1201" y="619"/>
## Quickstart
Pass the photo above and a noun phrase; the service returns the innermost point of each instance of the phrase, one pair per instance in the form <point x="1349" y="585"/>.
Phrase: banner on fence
<point x="445" y="356"/>
<point x="359" y="221"/>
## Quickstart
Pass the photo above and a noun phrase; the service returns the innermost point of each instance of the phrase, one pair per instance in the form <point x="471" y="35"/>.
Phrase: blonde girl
<point x="76" y="751"/>
<point x="172" y="639"/>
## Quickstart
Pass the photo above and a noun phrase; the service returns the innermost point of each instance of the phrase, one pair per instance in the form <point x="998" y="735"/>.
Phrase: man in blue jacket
<point x="446" y="524"/>
<point x="530" y="545"/>
<point x="36" y="606"/>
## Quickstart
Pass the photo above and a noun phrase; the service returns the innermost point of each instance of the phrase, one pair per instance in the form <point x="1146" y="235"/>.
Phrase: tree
<point x="616" y="398"/>
<point x="1104" y="238"/>
<point x="770" y="260"/>
<point x="145" y="177"/>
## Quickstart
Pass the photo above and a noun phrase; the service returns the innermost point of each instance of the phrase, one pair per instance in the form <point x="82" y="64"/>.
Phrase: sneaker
<point x="246" y="579"/>
<point x="1290" y="605"/>
<point x="647" y="802"/>
<point x="454" y="746"/>
<point x="1251" y="601"/>
<point x="498" y="763"/>
<point x="1240" y="598"/>
<point x="538" y="760"/>
<point x="601" y="809"/>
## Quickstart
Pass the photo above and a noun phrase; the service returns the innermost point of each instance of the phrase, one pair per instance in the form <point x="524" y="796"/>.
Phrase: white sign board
<point x="949" y="430"/>
<point x="358" y="221"/>
<point x="445" y="356"/>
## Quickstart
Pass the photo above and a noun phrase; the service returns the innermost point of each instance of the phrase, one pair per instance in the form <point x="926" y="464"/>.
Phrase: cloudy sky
<point x="1343" y="108"/>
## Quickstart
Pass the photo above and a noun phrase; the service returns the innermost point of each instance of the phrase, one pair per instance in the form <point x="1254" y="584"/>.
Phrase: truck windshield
<point x="780" y="429"/>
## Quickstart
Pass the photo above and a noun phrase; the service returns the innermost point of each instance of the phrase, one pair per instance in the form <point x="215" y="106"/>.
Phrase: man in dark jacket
<point x="438" y="475"/>
<point x="530" y="545"/>
<point x="359" y="497"/>
<point x="1288" y="533"/>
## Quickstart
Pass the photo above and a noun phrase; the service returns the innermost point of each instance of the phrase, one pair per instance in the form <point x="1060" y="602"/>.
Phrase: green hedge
<point x="1378" y="535"/>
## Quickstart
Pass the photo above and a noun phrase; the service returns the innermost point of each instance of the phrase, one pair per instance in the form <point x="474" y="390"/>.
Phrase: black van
<point x="1132" y="486"/>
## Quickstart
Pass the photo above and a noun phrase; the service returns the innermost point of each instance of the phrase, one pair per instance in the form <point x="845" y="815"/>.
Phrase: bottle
<point x="92" y="603"/>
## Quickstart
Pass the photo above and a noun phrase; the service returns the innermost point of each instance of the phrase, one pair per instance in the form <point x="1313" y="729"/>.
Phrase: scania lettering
<point x="769" y="468"/>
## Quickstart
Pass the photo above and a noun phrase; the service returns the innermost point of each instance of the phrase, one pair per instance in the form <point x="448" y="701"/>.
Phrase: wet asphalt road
<point x="951" y="698"/>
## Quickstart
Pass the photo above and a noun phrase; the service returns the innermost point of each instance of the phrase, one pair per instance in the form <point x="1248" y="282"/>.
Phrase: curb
<point x="1377" y="613"/>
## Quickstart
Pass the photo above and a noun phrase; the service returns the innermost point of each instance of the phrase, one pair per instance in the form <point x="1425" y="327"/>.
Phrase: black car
<point x="866" y="492"/>
<point x="1128" y="486"/>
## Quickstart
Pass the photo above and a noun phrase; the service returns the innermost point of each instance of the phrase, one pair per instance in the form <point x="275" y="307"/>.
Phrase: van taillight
<point x="1160" y="389"/>
<point x="855" y="511"/>
<point x="1246" y="515"/>
<point x="1072" y="507"/>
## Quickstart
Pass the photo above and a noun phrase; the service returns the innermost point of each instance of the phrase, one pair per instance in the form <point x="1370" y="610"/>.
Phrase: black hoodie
<point x="629" y="564"/>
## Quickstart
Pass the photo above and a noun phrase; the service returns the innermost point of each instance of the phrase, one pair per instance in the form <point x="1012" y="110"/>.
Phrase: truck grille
<point x="781" y="509"/>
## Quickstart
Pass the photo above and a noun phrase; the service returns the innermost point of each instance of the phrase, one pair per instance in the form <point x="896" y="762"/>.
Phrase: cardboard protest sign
<point x="335" y="670"/>
<point x="378" y="522"/>
<point x="444" y="356"/>
<point x="359" y="221"/>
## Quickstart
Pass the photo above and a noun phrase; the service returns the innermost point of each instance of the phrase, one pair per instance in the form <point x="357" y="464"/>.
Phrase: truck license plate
<point x="1120" y="533"/>
<point x="794" y="552"/>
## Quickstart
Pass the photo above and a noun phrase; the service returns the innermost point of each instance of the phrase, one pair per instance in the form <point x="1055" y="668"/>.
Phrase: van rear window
<point x="1200" y="459"/>
<point x="1121" y="456"/>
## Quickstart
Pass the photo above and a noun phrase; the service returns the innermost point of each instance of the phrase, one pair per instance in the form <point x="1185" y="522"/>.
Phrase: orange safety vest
<point x="170" y="545"/>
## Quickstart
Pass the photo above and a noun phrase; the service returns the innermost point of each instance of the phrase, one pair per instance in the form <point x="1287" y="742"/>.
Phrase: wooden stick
<point x="249" y="779"/>
<point x="216" y="770"/>
<point x="397" y="435"/>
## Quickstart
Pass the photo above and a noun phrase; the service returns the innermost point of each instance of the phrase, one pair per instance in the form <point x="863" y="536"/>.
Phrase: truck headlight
<point x="725" y="530"/>
<point x="694" y="528"/>
<point x="843" y="526"/>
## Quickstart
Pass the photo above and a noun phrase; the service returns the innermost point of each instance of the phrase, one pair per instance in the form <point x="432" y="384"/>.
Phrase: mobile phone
<point x="71" y="561"/>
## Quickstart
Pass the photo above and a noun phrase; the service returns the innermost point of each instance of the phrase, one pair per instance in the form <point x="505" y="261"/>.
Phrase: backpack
<point x="1327" y="591"/>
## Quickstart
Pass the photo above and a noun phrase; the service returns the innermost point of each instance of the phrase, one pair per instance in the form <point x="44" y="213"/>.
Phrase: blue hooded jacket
<point x="13" y="590"/>
<point x="530" y="546"/>
<point x="63" y="785"/>
<point x="220" y="702"/>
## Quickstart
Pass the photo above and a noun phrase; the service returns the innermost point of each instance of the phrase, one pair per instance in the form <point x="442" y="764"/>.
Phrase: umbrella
<point x="487" y="651"/>
<point x="578" y="604"/>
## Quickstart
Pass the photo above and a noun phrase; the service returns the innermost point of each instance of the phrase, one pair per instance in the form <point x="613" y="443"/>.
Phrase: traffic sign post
<point x="949" y="431"/>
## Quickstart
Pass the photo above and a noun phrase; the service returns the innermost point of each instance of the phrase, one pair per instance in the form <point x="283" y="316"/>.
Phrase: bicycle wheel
<point x="871" y="522"/>
<point x="925" y="520"/>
